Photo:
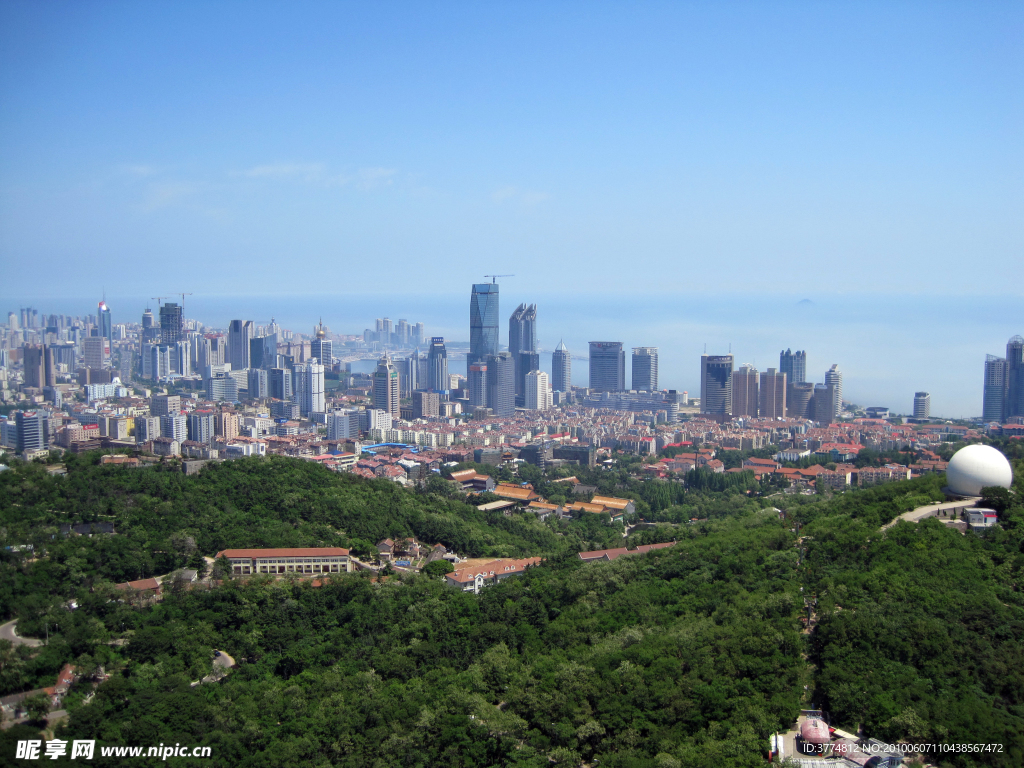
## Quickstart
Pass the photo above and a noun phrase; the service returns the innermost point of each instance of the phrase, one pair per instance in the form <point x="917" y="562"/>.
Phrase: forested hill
<point x="164" y="518"/>
<point x="687" y="656"/>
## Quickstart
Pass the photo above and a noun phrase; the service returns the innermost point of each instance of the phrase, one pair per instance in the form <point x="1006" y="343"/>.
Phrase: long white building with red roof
<point x="305" y="560"/>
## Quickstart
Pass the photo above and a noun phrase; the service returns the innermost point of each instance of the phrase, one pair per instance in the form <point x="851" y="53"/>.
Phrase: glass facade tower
<point x="483" y="322"/>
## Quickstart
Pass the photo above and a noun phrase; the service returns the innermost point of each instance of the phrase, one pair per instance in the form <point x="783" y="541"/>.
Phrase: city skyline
<point x="677" y="369"/>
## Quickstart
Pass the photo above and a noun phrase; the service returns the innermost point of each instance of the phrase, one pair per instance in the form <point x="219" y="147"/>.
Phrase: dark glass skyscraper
<point x="172" y="323"/>
<point x="103" y="315"/>
<point x="607" y="366"/>
<point x="716" y="384"/>
<point x="1014" y="405"/>
<point x="483" y="322"/>
<point x="561" y="369"/>
<point x="522" y="338"/>
<point x="794" y="365"/>
<point x="645" y="369"/>
<point x="437" y="366"/>
<point x="501" y="384"/>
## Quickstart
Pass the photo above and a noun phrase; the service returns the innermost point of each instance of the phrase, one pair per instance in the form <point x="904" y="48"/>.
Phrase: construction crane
<point x="183" y="295"/>
<point x="494" y="278"/>
<point x="158" y="298"/>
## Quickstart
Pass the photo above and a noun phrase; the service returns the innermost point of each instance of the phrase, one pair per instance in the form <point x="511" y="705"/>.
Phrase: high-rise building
<point x="538" y="391"/>
<point x="772" y="395"/>
<point x="308" y="388"/>
<point x="922" y="405"/>
<point x="522" y="337"/>
<point x="800" y="400"/>
<point x="607" y="366"/>
<point x="993" y="406"/>
<point x="1014" y="403"/>
<point x="259" y="383"/>
<point x="645" y="369"/>
<point x="834" y="378"/>
<point x="147" y="319"/>
<point x="403" y="332"/>
<point x="172" y="323"/>
<point x="825" y="403"/>
<point x="146" y="428"/>
<point x="322" y="348"/>
<point x="174" y="426"/>
<point x="501" y="384"/>
<point x="240" y="334"/>
<point x="281" y="387"/>
<point x="164" y="405"/>
<point x="425" y="405"/>
<point x="715" y="384"/>
<point x="103" y="316"/>
<point x="437" y="366"/>
<point x="524" y="362"/>
<point x="745" y="393"/>
<point x="342" y="425"/>
<point x="33" y="430"/>
<point x="561" y="369"/>
<point x="483" y="322"/>
<point x="794" y="365"/>
<point x="478" y="385"/>
<point x="418" y="335"/>
<point x="386" y="387"/>
<point x="387" y="329"/>
<point x="33" y="359"/>
<point x="221" y="387"/>
<point x="407" y="368"/>
<point x="95" y="352"/>
<point x="200" y="426"/>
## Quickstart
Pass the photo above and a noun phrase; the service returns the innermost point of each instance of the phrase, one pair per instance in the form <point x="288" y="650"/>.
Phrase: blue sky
<point x="792" y="148"/>
<point x="629" y="156"/>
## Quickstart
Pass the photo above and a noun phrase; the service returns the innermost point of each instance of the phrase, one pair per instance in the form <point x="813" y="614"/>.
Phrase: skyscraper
<point x="501" y="384"/>
<point x="607" y="366"/>
<point x="538" y="391"/>
<point x="993" y="406"/>
<point x="825" y="403"/>
<point x="645" y="369"/>
<point x="281" y="383"/>
<point x="35" y="365"/>
<point x="522" y="337"/>
<point x="800" y="400"/>
<point x="407" y="368"/>
<point x="561" y="369"/>
<point x="524" y="362"/>
<point x="1014" y="404"/>
<point x="834" y="378"/>
<point x="321" y="347"/>
<point x="240" y="334"/>
<point x="172" y="323"/>
<point x="385" y="387"/>
<point x="437" y="366"/>
<point x="716" y="384"/>
<point x="922" y="405"/>
<point x="483" y="322"/>
<point x="259" y="383"/>
<point x="772" y="395"/>
<point x="745" y="399"/>
<point x="478" y="385"/>
<point x="794" y="365"/>
<point x="103" y="315"/>
<point x="308" y="388"/>
<point x="95" y="352"/>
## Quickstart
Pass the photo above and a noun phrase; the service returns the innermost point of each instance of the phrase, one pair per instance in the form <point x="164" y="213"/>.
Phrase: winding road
<point x="7" y="633"/>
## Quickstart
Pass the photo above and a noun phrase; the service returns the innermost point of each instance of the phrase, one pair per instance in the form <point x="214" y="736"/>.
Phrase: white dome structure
<point x="975" y="467"/>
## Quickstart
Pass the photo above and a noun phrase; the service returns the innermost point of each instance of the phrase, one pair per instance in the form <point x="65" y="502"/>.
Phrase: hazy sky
<point x="792" y="148"/>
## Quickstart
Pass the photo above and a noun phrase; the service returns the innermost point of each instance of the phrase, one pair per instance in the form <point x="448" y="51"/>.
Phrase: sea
<point x="888" y="346"/>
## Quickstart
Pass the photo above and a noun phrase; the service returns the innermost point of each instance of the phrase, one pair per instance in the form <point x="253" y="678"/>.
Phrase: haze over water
<point x="888" y="347"/>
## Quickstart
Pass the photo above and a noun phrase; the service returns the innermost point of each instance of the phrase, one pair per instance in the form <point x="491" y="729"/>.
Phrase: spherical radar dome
<point x="975" y="467"/>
